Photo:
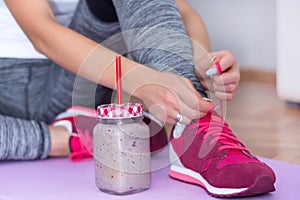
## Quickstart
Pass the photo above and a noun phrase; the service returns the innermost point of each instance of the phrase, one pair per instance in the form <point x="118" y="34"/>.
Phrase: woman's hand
<point x="170" y="95"/>
<point x="223" y="85"/>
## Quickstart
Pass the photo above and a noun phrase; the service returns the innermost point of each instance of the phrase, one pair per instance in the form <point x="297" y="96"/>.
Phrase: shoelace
<point x="219" y="131"/>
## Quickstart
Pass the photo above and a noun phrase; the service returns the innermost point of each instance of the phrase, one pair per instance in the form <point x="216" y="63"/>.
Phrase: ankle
<point x="59" y="136"/>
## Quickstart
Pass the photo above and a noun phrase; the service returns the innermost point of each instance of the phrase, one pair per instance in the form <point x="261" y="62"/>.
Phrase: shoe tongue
<point x="207" y="118"/>
<point x="210" y="117"/>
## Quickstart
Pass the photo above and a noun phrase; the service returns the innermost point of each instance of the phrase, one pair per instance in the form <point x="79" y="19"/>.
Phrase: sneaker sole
<point x="262" y="185"/>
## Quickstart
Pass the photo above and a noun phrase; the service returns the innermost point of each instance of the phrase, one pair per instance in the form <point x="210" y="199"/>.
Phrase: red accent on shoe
<point x="208" y="151"/>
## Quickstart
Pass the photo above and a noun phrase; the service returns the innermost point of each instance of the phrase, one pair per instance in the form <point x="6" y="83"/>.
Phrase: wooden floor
<point x="267" y="126"/>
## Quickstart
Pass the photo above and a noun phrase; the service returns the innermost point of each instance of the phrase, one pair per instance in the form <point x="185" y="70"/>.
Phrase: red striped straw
<point x="119" y="79"/>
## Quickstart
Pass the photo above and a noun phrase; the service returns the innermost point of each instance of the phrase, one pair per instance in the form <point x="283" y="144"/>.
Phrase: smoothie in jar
<point x="122" y="149"/>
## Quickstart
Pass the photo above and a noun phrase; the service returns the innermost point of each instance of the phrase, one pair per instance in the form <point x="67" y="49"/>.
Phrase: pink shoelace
<point x="219" y="131"/>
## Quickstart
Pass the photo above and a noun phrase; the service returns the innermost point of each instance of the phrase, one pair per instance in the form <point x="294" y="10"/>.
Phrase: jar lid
<point x="117" y="111"/>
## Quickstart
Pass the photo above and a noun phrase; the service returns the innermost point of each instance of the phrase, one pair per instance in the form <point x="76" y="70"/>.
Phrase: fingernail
<point x="211" y="72"/>
<point x="206" y="99"/>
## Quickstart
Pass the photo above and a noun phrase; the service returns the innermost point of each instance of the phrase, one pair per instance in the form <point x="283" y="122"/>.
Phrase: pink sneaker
<point x="208" y="154"/>
<point x="80" y="121"/>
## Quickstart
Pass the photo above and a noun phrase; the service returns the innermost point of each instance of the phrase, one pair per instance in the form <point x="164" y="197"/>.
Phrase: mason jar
<point x="121" y="149"/>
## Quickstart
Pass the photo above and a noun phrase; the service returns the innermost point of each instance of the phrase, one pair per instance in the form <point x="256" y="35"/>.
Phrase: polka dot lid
<point x="112" y="111"/>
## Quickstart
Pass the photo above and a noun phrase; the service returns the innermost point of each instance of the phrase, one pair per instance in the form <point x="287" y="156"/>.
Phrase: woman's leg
<point x="155" y="35"/>
<point x="22" y="135"/>
<point x="32" y="94"/>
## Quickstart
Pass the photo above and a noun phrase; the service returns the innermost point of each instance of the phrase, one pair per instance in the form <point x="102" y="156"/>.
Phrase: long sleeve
<point x="23" y="139"/>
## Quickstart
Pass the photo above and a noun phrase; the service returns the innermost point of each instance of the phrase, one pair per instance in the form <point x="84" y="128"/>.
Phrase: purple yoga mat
<point x="61" y="179"/>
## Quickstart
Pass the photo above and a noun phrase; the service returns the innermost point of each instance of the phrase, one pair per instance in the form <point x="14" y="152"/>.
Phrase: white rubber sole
<point x="190" y="176"/>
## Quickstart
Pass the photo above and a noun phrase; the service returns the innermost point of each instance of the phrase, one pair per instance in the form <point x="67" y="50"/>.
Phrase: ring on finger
<point x="214" y="59"/>
<point x="179" y="118"/>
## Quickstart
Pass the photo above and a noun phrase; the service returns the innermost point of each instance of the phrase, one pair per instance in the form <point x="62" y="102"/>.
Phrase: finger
<point x="179" y="106"/>
<point x="231" y="77"/>
<point x="167" y="113"/>
<point x="185" y="120"/>
<point x="159" y="112"/>
<point x="172" y="120"/>
<point x="189" y="112"/>
<point x="191" y="97"/>
<point x="224" y="96"/>
<point x="230" y="88"/>
<point x="181" y="89"/>
<point x="184" y="98"/>
<point x="226" y="59"/>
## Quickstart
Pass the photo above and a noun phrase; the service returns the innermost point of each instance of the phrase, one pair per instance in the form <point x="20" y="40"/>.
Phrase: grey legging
<point x="33" y="92"/>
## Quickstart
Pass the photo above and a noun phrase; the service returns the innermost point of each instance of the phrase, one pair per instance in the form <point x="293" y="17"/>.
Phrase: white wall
<point x="245" y="27"/>
<point x="288" y="43"/>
